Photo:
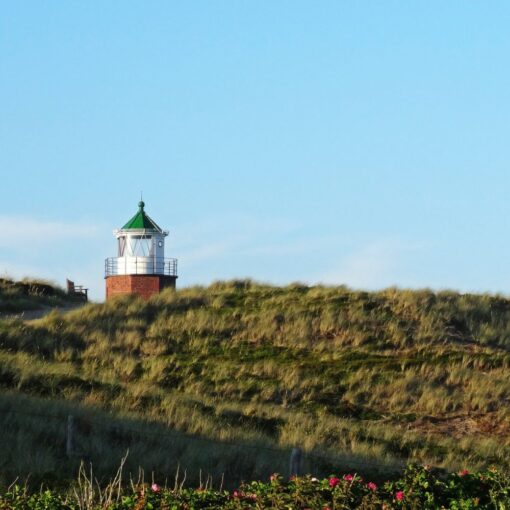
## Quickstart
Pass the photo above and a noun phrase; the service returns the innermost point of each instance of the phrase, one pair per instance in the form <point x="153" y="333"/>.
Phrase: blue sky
<point x="359" y="143"/>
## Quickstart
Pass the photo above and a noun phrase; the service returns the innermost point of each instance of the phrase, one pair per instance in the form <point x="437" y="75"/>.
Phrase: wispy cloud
<point x="220" y="237"/>
<point x="304" y="244"/>
<point x="235" y="225"/>
<point x="22" y="229"/>
<point x="207" y="251"/>
<point x="275" y="250"/>
<point x="373" y="265"/>
<point x="10" y="269"/>
<point x="53" y="250"/>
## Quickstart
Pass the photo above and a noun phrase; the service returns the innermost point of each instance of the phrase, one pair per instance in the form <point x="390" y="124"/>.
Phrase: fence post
<point x="70" y="436"/>
<point x="295" y="462"/>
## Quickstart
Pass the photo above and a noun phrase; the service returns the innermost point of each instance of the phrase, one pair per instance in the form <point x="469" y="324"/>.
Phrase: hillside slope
<point x="27" y="296"/>
<point x="230" y="377"/>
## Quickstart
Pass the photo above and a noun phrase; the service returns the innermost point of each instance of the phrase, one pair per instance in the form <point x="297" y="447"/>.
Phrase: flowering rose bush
<point x="372" y="486"/>
<point x="399" y="496"/>
<point x="334" y="481"/>
<point x="418" y="488"/>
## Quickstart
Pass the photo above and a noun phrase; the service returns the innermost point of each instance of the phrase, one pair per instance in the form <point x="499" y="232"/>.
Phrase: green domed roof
<point x="141" y="221"/>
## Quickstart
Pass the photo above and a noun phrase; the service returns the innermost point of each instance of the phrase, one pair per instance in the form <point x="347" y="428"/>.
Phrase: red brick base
<point x="143" y="285"/>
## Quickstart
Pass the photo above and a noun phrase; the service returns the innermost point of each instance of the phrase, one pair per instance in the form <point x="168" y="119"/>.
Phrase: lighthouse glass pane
<point x="140" y="246"/>
<point x="122" y="246"/>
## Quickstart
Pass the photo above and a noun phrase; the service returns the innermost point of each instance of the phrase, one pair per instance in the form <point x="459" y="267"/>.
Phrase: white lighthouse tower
<point x="140" y="266"/>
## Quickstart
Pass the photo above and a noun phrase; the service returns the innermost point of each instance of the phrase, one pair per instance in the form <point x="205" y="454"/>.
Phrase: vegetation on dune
<point x="229" y="378"/>
<point x="418" y="488"/>
<point x="29" y="294"/>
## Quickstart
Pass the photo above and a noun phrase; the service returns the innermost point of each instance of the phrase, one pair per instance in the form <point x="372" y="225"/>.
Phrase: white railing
<point x="140" y="265"/>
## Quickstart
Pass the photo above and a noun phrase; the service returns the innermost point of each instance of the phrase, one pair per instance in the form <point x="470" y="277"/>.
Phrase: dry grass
<point x="357" y="377"/>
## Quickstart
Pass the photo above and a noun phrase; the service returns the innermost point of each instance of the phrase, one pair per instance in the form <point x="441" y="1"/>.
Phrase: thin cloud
<point x="18" y="271"/>
<point x="207" y="251"/>
<point x="375" y="265"/>
<point x="218" y="238"/>
<point x="22" y="229"/>
<point x="233" y="228"/>
<point x="301" y="246"/>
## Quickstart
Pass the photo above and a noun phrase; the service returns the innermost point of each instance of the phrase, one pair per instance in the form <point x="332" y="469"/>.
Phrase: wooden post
<point x="70" y="436"/>
<point x="295" y="462"/>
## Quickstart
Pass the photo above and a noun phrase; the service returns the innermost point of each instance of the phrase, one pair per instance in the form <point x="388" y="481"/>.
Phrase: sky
<point x="336" y="142"/>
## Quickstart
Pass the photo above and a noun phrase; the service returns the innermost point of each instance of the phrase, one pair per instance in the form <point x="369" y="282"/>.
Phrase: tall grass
<point x="29" y="294"/>
<point x="356" y="378"/>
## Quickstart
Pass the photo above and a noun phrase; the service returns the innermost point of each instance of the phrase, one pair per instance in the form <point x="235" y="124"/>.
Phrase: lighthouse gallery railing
<point x="114" y="266"/>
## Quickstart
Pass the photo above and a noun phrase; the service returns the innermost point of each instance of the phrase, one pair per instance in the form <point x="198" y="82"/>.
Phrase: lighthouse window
<point x="140" y="246"/>
<point x="122" y="246"/>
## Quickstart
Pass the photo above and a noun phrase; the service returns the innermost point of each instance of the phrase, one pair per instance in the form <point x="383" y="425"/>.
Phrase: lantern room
<point x="140" y="266"/>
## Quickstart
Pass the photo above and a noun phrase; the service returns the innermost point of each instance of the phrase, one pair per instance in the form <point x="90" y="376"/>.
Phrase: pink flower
<point x="372" y="486"/>
<point x="273" y="477"/>
<point x="235" y="494"/>
<point x="155" y="487"/>
<point x="334" y="481"/>
<point x="348" y="478"/>
<point x="464" y="472"/>
<point x="399" y="496"/>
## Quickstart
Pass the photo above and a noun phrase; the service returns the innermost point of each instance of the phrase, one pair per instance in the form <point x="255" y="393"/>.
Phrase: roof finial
<point x="141" y="204"/>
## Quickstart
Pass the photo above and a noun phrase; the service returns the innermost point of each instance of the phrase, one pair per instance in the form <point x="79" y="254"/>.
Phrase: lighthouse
<point x="140" y="266"/>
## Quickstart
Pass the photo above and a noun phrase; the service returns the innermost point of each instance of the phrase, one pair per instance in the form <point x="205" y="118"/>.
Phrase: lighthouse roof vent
<point x="142" y="221"/>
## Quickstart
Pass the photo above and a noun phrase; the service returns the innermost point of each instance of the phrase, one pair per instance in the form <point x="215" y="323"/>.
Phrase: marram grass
<point x="229" y="378"/>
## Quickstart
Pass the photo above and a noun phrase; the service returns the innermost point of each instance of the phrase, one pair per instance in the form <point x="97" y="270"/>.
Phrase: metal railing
<point x="140" y="265"/>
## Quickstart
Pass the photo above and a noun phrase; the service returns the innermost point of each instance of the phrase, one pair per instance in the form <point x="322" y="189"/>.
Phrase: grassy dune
<point x="29" y="294"/>
<point x="229" y="378"/>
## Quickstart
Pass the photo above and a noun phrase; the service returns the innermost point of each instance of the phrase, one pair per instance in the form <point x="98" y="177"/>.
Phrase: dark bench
<point x="77" y="290"/>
